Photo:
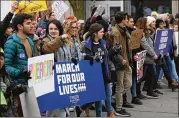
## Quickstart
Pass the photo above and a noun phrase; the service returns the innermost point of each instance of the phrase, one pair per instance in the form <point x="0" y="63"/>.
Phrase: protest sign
<point x="59" y="8"/>
<point x="163" y="40"/>
<point x="74" y="85"/>
<point x="5" y="8"/>
<point x="99" y="11"/>
<point x="140" y="62"/>
<point x="41" y="68"/>
<point x="29" y="6"/>
<point x="29" y="103"/>
<point x="136" y="36"/>
<point x="176" y="41"/>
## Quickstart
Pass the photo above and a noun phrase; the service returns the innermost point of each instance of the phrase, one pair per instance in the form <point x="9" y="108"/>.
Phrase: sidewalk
<point x="165" y="106"/>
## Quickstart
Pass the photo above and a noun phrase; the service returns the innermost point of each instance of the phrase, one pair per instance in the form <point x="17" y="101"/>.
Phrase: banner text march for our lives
<point x="163" y="40"/>
<point x="70" y="79"/>
<point x="74" y="85"/>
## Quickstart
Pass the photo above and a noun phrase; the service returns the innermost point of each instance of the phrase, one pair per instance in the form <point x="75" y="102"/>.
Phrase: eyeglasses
<point x="74" y="27"/>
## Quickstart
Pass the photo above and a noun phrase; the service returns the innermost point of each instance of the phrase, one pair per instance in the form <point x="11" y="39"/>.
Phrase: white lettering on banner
<point x="161" y="51"/>
<point x="163" y="39"/>
<point x="66" y="68"/>
<point x="74" y="99"/>
<point x="70" y="80"/>
<point x="164" y="33"/>
<point x="162" y="46"/>
<point x="73" y="88"/>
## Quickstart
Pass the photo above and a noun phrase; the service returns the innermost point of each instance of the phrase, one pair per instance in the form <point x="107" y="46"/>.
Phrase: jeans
<point x="171" y="65"/>
<point x="160" y="76"/>
<point x="163" y="68"/>
<point x="134" y="82"/>
<point x="108" y="90"/>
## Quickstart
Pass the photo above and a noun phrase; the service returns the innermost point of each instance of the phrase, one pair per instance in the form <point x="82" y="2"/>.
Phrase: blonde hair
<point x="67" y="26"/>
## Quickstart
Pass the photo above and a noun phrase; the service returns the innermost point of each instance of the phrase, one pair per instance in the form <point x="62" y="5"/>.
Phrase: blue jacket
<point x="88" y="50"/>
<point x="16" y="59"/>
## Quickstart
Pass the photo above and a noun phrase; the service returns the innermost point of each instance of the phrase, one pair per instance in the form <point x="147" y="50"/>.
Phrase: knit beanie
<point x="154" y="13"/>
<point x="150" y="19"/>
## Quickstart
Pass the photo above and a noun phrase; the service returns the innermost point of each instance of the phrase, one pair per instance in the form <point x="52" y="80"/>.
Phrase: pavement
<point x="165" y="106"/>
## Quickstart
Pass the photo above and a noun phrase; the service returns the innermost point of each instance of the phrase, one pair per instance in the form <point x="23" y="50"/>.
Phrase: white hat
<point x="150" y="19"/>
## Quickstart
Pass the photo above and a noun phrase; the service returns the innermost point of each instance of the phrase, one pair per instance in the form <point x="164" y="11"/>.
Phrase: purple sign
<point x="163" y="40"/>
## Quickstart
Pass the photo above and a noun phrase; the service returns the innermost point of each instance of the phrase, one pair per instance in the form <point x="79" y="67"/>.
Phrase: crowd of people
<point x="108" y="43"/>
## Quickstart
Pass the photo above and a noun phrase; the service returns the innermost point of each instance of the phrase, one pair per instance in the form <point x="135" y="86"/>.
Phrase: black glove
<point x="97" y="59"/>
<point x="26" y="75"/>
<point x="90" y="58"/>
<point x="17" y="90"/>
<point x="175" y="47"/>
<point x="74" y="61"/>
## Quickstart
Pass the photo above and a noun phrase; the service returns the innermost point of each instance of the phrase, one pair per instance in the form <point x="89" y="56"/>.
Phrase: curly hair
<point x="67" y="26"/>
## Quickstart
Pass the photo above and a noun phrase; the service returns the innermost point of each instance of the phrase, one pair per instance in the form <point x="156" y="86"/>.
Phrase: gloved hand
<point x="175" y="47"/>
<point x="98" y="59"/>
<point x="90" y="58"/>
<point x="25" y="74"/>
<point x="17" y="90"/>
<point x="75" y="61"/>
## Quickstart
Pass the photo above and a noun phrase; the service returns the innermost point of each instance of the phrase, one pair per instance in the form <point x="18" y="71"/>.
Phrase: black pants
<point x="177" y="64"/>
<point x="150" y="77"/>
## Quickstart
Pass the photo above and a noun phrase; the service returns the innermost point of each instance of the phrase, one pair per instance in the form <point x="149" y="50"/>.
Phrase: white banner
<point x="59" y="8"/>
<point x="140" y="62"/>
<point x="41" y="68"/>
<point x="5" y="8"/>
<point x="29" y="104"/>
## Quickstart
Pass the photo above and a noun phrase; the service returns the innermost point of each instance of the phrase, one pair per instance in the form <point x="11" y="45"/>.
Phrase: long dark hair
<point x="94" y="28"/>
<point x="158" y="21"/>
<point x="141" y="24"/>
<point x="58" y="24"/>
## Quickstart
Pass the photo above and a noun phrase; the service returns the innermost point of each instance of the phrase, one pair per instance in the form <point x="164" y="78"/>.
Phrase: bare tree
<point x="78" y="8"/>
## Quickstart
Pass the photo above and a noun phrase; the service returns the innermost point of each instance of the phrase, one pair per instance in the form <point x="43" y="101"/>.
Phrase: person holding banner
<point x="18" y="48"/>
<point x="162" y="68"/>
<point x="95" y="49"/>
<point x="53" y="39"/>
<point x="66" y="51"/>
<point x="150" y="73"/>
